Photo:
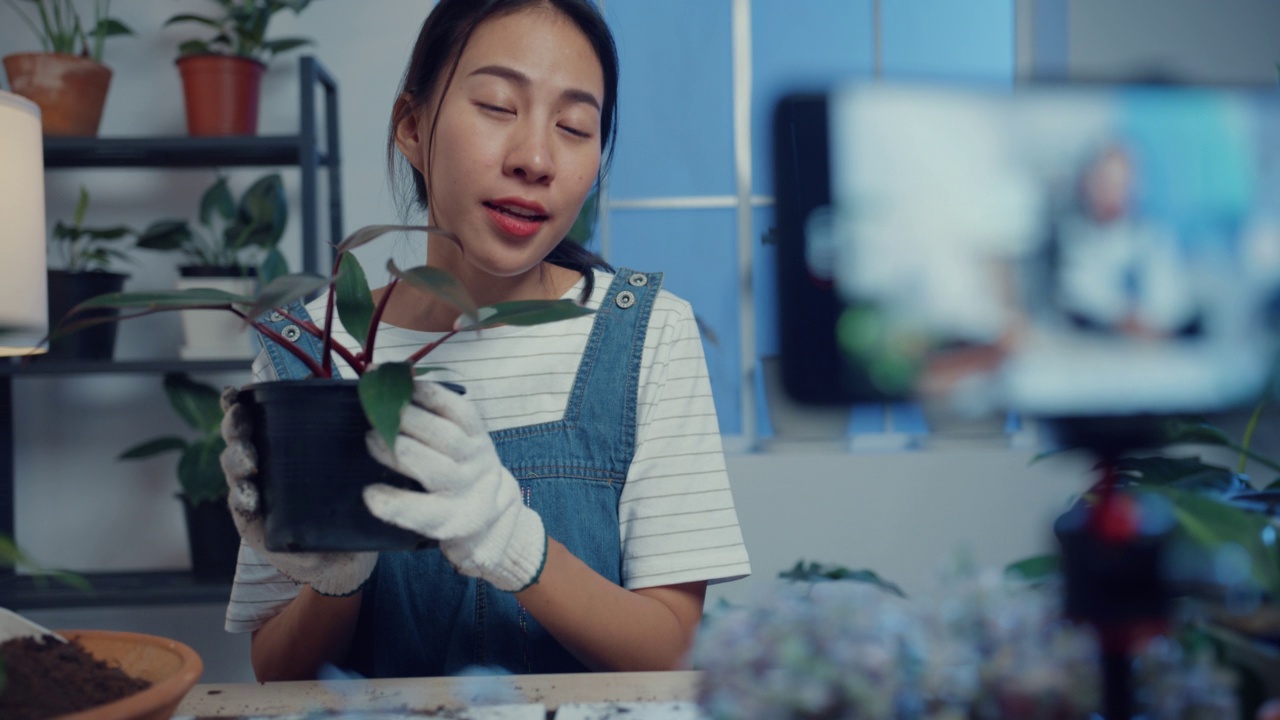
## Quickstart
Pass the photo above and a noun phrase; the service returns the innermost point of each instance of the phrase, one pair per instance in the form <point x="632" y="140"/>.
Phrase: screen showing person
<point x="1058" y="251"/>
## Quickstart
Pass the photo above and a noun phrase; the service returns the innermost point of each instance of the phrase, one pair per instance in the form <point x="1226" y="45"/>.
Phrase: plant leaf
<point x="1211" y="523"/>
<point x="193" y="47"/>
<point x="165" y="235"/>
<point x="1166" y="471"/>
<point x="284" y="290"/>
<point x="385" y="391"/>
<point x="527" y="312"/>
<point x="439" y="283"/>
<point x="817" y="572"/>
<point x="217" y="200"/>
<point x="195" y="402"/>
<point x="188" y="17"/>
<point x="369" y="233"/>
<point x="82" y="205"/>
<point x="153" y="447"/>
<point x="164" y="300"/>
<point x="354" y="300"/>
<point x="273" y="266"/>
<point x="1034" y="569"/>
<point x="264" y="208"/>
<point x="110" y="27"/>
<point x="200" y="472"/>
<point x="275" y="47"/>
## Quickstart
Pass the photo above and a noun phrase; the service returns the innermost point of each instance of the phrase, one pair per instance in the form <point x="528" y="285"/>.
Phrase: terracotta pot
<point x="70" y="90"/>
<point x="171" y="667"/>
<point x="221" y="94"/>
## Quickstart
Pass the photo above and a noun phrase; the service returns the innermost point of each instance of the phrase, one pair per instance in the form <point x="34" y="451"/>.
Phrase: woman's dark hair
<point x="444" y="35"/>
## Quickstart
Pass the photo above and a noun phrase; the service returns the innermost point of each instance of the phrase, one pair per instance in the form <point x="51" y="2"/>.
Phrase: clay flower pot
<point x="221" y="94"/>
<point x="71" y="91"/>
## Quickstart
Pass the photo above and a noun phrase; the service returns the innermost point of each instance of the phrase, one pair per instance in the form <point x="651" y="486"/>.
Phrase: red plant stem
<point x="377" y="317"/>
<point x="414" y="358"/>
<point x="353" y="360"/>
<point x="284" y="342"/>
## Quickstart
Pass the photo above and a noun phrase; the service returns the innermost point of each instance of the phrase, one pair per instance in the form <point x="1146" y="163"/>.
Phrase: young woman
<point x="578" y="489"/>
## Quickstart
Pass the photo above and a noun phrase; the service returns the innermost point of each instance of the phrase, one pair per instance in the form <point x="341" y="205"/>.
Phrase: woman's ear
<point x="411" y="140"/>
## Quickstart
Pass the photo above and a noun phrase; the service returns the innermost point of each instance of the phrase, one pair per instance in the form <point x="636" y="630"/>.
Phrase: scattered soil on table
<point x="46" y="678"/>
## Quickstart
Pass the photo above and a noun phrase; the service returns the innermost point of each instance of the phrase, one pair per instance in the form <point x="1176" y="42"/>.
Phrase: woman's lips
<point x="515" y="219"/>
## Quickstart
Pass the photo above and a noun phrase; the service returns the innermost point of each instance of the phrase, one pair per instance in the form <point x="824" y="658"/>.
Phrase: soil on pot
<point x="47" y="678"/>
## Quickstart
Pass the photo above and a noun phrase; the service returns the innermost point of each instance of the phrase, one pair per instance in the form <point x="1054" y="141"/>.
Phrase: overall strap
<point x="286" y="365"/>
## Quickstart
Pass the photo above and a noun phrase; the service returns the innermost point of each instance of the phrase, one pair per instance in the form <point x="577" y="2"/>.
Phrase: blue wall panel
<point x="675" y="131"/>
<point x="946" y="39"/>
<point x="696" y="249"/>
<point x="801" y="46"/>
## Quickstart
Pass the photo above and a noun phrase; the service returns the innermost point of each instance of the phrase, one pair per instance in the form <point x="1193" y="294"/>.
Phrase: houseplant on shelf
<point x="86" y="256"/>
<point x="313" y="492"/>
<point x="67" y="79"/>
<point x="234" y="247"/>
<point x="222" y="76"/>
<point x="211" y="534"/>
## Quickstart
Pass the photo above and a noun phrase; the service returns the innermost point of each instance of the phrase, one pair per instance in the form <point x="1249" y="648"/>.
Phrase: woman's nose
<point x="530" y="158"/>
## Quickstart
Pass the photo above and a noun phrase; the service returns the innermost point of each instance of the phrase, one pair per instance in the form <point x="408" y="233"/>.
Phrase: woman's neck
<point x="415" y="309"/>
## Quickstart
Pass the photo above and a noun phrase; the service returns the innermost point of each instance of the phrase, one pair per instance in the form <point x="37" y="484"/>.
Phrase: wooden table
<point x="424" y="694"/>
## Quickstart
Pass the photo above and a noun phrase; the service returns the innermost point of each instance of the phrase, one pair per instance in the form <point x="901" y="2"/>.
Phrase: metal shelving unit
<point x="313" y="149"/>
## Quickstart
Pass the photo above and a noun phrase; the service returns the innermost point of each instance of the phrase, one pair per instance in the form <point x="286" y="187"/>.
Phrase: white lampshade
<point x="24" y="305"/>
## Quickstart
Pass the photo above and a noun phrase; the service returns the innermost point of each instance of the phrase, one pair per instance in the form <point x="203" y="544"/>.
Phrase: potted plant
<point x="312" y="489"/>
<point x="222" y="76"/>
<point x="67" y="80"/>
<point x="211" y="534"/>
<point x="232" y="249"/>
<point x="86" y="256"/>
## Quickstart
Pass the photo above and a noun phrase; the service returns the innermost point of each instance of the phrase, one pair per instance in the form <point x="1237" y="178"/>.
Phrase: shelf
<point x="55" y="366"/>
<point x="26" y="592"/>
<point x="176" y="152"/>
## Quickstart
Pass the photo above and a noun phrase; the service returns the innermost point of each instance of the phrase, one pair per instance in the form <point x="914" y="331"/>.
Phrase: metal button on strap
<point x="638" y="279"/>
<point x="625" y="299"/>
<point x="291" y="332"/>
<point x="275" y="316"/>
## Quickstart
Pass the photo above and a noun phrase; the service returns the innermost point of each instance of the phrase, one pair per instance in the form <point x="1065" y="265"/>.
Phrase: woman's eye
<point x="495" y="109"/>
<point x="575" y="132"/>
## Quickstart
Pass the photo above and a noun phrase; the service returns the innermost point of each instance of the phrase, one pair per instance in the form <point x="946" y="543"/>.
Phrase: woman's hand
<point x="327" y="573"/>
<point x="473" y="505"/>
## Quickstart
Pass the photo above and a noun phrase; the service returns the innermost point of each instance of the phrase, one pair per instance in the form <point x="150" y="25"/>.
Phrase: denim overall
<point x="418" y="617"/>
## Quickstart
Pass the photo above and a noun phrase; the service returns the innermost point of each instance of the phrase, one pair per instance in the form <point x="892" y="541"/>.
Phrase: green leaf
<point x="284" y="290"/>
<point x="82" y="205"/>
<point x="1167" y="471"/>
<point x="12" y="556"/>
<point x="439" y="283"/>
<point x="111" y="233"/>
<point x="273" y="266"/>
<point x="527" y="312"/>
<point x="110" y="27"/>
<point x="419" y="370"/>
<point x="275" y="47"/>
<point x="62" y="231"/>
<point x="165" y="235"/>
<point x="1275" y="485"/>
<point x="154" y="447"/>
<point x="385" y="391"/>
<point x="265" y="208"/>
<point x="369" y="233"/>
<point x="1212" y="523"/>
<point x="190" y="18"/>
<point x="354" y="300"/>
<point x="195" y="402"/>
<point x="1034" y="569"/>
<point x="200" y="473"/>
<point x="217" y="200"/>
<point x="194" y="47"/>
<point x="165" y="300"/>
<point x="817" y="572"/>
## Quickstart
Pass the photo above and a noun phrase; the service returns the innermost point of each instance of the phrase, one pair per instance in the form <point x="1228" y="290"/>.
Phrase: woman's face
<point x="517" y="145"/>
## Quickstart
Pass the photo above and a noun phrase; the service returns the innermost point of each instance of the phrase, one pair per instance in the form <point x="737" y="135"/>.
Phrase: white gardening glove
<point x="473" y="505"/>
<point x="327" y="573"/>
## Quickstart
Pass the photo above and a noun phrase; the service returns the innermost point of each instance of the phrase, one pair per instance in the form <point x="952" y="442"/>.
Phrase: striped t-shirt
<point x="677" y="518"/>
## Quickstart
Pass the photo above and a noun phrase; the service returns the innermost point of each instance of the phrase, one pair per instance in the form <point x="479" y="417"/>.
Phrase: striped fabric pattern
<point x="677" y="517"/>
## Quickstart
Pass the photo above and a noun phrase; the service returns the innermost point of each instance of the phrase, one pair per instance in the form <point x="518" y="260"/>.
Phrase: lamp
<point x="24" y="319"/>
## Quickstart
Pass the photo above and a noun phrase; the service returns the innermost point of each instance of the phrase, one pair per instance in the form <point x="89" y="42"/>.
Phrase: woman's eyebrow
<point x="519" y="78"/>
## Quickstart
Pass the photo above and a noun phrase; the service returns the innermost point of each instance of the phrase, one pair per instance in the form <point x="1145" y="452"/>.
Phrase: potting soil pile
<point x="44" y="678"/>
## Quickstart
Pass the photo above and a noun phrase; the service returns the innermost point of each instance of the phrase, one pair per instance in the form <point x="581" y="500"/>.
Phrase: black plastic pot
<point x="68" y="289"/>
<point x="213" y="540"/>
<point x="313" y="466"/>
